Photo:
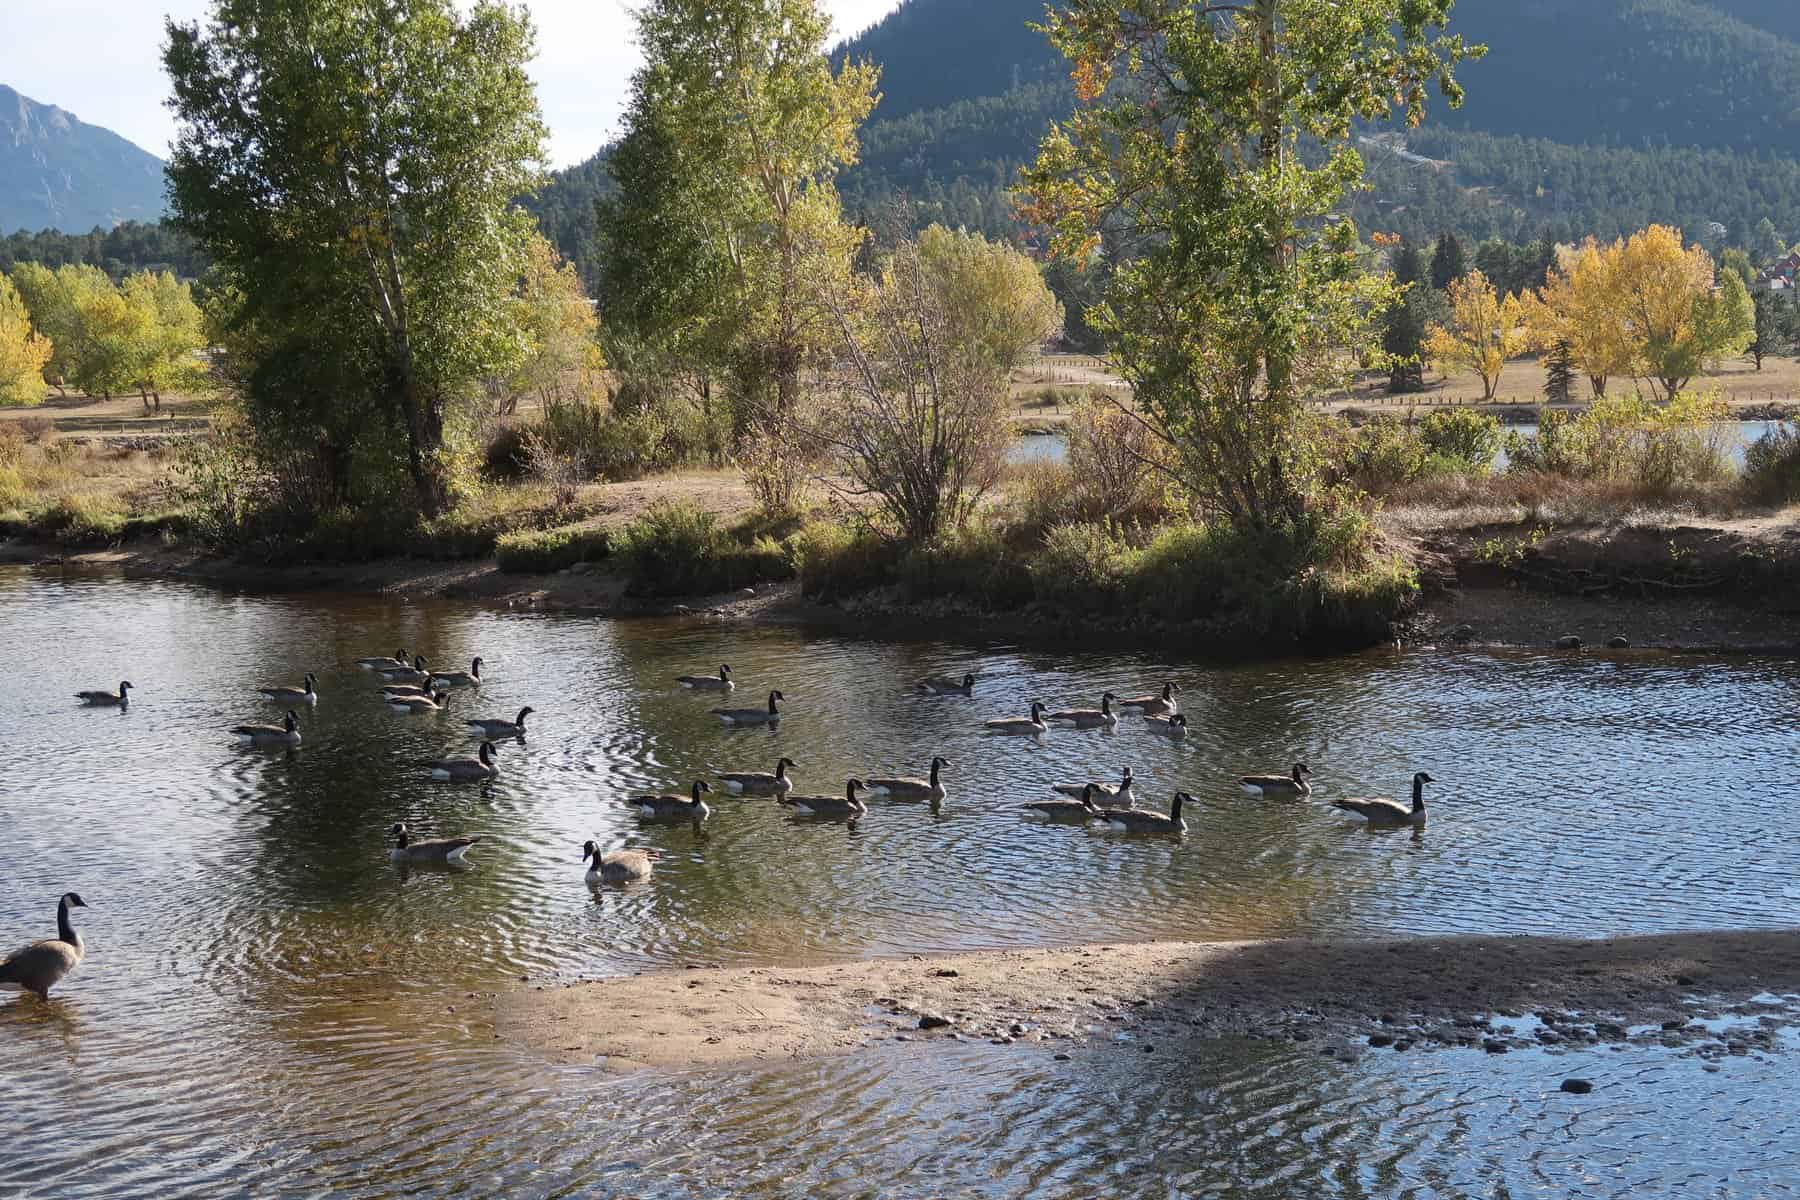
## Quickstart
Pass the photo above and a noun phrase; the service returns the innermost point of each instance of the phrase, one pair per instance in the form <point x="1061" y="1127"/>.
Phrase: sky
<point x="101" y="60"/>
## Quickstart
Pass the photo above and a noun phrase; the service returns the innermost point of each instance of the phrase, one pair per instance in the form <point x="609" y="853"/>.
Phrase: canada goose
<point x="846" y="805"/>
<point x="306" y="694"/>
<point x="285" y="734"/>
<point x="1384" y="812"/>
<point x="1034" y="726"/>
<point x="1083" y="809"/>
<point x="618" y="866"/>
<point x="1297" y="784"/>
<point x="1156" y="705"/>
<point x="1174" y="725"/>
<point x="709" y="683"/>
<point x="398" y="662"/>
<point x="1121" y="790"/>
<point x="498" y="729"/>
<point x="118" y="699"/>
<point x="752" y="716"/>
<point x="942" y="685"/>
<point x="413" y="674"/>
<point x="1134" y="820"/>
<point x="419" y="704"/>
<point x="42" y="965"/>
<point x="1090" y="718"/>
<point x="438" y="850"/>
<point x="465" y="770"/>
<point x="433" y="687"/>
<point x="760" y="783"/>
<point x="931" y="789"/>
<point x="468" y="678"/>
<point x="674" y="808"/>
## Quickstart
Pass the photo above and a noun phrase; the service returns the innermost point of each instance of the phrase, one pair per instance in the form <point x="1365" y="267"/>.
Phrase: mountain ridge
<point x="59" y="172"/>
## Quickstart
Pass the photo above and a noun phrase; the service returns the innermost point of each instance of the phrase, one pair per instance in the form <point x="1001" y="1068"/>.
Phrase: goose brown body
<point x="753" y="716"/>
<point x="931" y="788"/>
<point x="118" y="699"/>
<point x="42" y="965"/>
<point x="618" y="866"/>
<point x="1136" y="820"/>
<point x="1385" y="813"/>
<point x="848" y="805"/>
<point x="434" y="850"/>
<point x="760" y="783"/>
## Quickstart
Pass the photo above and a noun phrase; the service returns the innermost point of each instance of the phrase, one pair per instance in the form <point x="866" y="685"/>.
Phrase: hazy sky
<point x="101" y="60"/>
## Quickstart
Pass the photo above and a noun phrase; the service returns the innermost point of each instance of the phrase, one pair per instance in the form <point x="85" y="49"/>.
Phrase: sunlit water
<point x="269" y="1005"/>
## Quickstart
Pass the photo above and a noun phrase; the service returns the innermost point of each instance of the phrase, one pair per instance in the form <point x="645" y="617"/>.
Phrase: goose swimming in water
<point x="674" y="808"/>
<point x="118" y="699"/>
<point x="709" y="683"/>
<point x="931" y="789"/>
<point x="437" y="850"/>
<point x="760" y="783"/>
<point x="1065" y="811"/>
<point x="42" y="965"/>
<point x="1173" y="726"/>
<point x="396" y="663"/>
<point x="493" y="728"/>
<point x="1122" y="790"/>
<point x="462" y="679"/>
<point x="1089" y="718"/>
<point x="1299" y="783"/>
<point x="413" y="674"/>
<point x="848" y="805"/>
<point x="1034" y="726"/>
<point x="618" y="866"/>
<point x="1157" y="706"/>
<point x="307" y="693"/>
<point x="941" y="685"/>
<point x="1136" y="820"/>
<point x="285" y="734"/>
<point x="465" y="770"/>
<point x="1385" y="813"/>
<point x="752" y="716"/>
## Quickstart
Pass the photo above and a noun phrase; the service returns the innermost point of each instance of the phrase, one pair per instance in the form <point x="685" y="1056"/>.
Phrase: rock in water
<point x="1577" y="1087"/>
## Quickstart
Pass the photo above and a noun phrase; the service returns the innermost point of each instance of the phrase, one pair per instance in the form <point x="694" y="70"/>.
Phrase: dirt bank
<point x="1497" y="994"/>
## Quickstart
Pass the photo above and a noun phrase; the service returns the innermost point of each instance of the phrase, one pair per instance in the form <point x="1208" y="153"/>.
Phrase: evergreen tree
<point x="1448" y="262"/>
<point x="1559" y="374"/>
<point x="1403" y="332"/>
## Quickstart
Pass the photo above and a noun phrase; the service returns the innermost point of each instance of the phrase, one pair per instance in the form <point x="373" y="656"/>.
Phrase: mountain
<point x="57" y="172"/>
<point x="1586" y="116"/>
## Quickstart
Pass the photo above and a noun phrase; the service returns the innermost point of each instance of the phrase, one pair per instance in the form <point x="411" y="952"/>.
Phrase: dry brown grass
<point x="1469" y="502"/>
<point x="1522" y="383"/>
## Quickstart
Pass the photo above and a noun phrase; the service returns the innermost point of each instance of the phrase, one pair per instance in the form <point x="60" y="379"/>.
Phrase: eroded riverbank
<point x="1346" y="995"/>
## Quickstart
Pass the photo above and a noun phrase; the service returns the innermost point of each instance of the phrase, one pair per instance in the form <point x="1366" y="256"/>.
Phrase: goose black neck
<point x="1175" y="808"/>
<point x="772" y="698"/>
<point x="696" y="793"/>
<point x="934" y="772"/>
<point x="781" y="768"/>
<point x="65" y="928"/>
<point x="521" y="721"/>
<point x="1418" y="795"/>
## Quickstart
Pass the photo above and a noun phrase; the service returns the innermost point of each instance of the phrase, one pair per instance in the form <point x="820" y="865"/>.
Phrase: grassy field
<point x="1522" y="383"/>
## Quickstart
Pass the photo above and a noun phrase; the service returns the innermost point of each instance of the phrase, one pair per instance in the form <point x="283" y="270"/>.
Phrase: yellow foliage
<point x="1578" y="305"/>
<point x="1485" y="331"/>
<point x="22" y="352"/>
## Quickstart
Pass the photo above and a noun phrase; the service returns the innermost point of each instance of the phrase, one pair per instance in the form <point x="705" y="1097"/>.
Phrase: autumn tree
<point x="23" y="351"/>
<point x="174" y="334"/>
<point x="353" y="167"/>
<point x="727" y="215"/>
<point x="920" y="378"/>
<point x="56" y="300"/>
<point x="1580" y="306"/>
<point x="1677" y="320"/>
<point x="1484" y="332"/>
<point x="1244" y="291"/>
<point x="558" y="326"/>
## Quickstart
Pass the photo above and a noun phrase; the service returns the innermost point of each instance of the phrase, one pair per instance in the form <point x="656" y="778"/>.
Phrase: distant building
<point x="1783" y="276"/>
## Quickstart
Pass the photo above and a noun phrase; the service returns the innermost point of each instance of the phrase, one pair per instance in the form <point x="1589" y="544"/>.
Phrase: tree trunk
<point x="423" y="417"/>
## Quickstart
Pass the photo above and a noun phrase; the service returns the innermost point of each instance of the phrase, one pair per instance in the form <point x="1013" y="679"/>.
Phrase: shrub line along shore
<point x="1341" y="997"/>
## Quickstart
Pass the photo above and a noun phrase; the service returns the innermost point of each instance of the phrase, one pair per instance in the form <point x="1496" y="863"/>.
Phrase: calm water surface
<point x="268" y="1005"/>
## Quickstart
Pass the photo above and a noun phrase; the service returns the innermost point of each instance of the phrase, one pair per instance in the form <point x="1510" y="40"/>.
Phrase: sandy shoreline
<point x="1348" y="997"/>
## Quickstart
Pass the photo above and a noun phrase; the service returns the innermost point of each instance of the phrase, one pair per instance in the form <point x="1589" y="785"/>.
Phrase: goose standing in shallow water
<point x="1065" y="811"/>
<point x="1174" y="725"/>
<point x="1034" y="726"/>
<point x="943" y="685"/>
<point x="1387" y="813"/>
<point x="465" y="770"/>
<point x="42" y="965"/>
<point x="437" y="850"/>
<point x="459" y="679"/>
<point x="1089" y="718"/>
<point x="752" y="716"/>
<point x="931" y="789"/>
<point x="307" y="693"/>
<point x="398" y="662"/>
<point x="846" y="805"/>
<point x="492" y="728"/>
<point x="760" y="783"/>
<point x="1297" y="784"/>
<point x="1156" y="706"/>
<point x="709" y="683"/>
<point x="1136" y="820"/>
<point x="1122" y="790"/>
<point x="674" y="808"/>
<point x="118" y="699"/>
<point x="618" y="866"/>
<point x="270" y="736"/>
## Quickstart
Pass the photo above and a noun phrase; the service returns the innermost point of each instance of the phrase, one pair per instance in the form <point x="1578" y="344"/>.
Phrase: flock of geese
<point x="409" y="687"/>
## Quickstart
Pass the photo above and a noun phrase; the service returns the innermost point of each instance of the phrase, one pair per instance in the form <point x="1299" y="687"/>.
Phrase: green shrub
<point x="1082" y="566"/>
<point x="1385" y="453"/>
<point x="1463" y="438"/>
<point x="976" y="563"/>
<point x="507" y="455"/>
<point x="83" y="518"/>
<point x="834" y="560"/>
<point x="677" y="549"/>
<point x="12" y="487"/>
<point x="1771" y="467"/>
<point x="543" y="551"/>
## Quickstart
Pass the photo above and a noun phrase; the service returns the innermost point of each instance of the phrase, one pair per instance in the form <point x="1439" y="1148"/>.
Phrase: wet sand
<point x="1347" y="996"/>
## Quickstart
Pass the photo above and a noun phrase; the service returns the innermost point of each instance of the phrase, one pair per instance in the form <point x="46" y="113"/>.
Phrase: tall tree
<point x="1678" y="321"/>
<point x="352" y="166"/>
<point x="1449" y="262"/>
<point x="1581" y="306"/>
<point x="737" y="127"/>
<point x="1405" y="323"/>
<point x="1770" y="338"/>
<point x="1559" y="373"/>
<point x="57" y="301"/>
<point x="23" y="352"/>
<point x="1484" y="333"/>
<point x="1245" y="290"/>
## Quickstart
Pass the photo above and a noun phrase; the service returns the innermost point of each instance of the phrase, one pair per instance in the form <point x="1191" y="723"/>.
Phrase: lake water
<point x="269" y="1006"/>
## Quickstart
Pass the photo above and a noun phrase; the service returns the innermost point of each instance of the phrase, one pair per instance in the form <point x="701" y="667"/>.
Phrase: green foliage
<point x="678" y="549"/>
<point x="543" y="551"/>
<point x="352" y="166"/>
<point x="1772" y="467"/>
<point x="1448" y="262"/>
<point x="125" y="248"/>
<point x="1630" y="439"/>
<point x="1384" y="453"/>
<point x="1463" y="437"/>
<point x="23" y="351"/>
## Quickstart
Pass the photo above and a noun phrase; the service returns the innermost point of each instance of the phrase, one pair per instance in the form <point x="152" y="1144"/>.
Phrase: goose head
<point x="398" y="833"/>
<point x="851" y="787"/>
<point x="475" y="667"/>
<point x="590" y="850"/>
<point x="773" y="698"/>
<point x="400" y="654"/>
<point x="939" y="763"/>
<point x="1106" y="699"/>
<point x="1178" y="720"/>
<point x="418" y="662"/>
<point x="968" y="681"/>
<point x="700" y="785"/>
<point x="1302" y="771"/>
<point x="1037" y="710"/>
<point x="523" y="713"/>
<point x="1181" y="798"/>
<point x="291" y="722"/>
<point x="1421" y="779"/>
<point x="724" y="670"/>
<point x="783" y="763"/>
<point x="310" y="680"/>
<point x="72" y="900"/>
<point x="125" y="686"/>
<point x="1125" y="778"/>
<point x="1171" y="690"/>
